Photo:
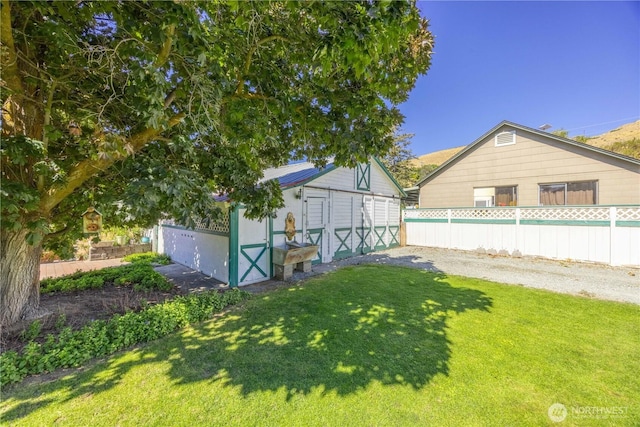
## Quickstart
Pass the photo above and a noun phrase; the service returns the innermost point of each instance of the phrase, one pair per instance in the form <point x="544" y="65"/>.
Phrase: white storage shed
<point x="344" y="211"/>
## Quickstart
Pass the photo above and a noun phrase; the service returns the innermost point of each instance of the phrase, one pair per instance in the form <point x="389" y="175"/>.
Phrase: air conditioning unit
<point x="483" y="202"/>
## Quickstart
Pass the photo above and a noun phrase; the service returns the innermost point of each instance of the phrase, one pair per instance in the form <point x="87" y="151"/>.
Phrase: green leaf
<point x="34" y="238"/>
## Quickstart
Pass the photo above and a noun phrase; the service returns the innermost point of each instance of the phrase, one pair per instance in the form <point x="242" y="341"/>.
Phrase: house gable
<point x="529" y="159"/>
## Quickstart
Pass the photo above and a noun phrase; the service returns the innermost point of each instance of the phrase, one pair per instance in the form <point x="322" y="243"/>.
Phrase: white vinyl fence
<point x="605" y="234"/>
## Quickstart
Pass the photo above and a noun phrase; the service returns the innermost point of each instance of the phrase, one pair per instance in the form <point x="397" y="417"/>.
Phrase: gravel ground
<point x="585" y="279"/>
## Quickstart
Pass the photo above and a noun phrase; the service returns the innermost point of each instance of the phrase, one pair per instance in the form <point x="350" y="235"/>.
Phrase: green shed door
<point x="253" y="254"/>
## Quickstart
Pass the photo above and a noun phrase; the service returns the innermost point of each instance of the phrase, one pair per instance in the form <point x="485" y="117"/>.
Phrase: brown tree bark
<point x="19" y="276"/>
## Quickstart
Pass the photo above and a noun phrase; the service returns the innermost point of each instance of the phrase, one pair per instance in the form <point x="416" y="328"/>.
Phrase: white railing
<point x="607" y="234"/>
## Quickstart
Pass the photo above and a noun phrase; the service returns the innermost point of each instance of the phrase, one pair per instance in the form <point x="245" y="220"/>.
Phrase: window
<point x="569" y="193"/>
<point x="495" y="196"/>
<point x="505" y="138"/>
<point x="507" y="196"/>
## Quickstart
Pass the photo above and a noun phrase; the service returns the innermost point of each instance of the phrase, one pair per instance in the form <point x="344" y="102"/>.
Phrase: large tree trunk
<point x="19" y="277"/>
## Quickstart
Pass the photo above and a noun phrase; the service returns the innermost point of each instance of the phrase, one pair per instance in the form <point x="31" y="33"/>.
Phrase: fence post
<point x="612" y="233"/>
<point x="448" y="228"/>
<point x="518" y="230"/>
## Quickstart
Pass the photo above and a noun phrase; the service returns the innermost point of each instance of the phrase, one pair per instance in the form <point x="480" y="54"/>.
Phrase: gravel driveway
<point x="589" y="280"/>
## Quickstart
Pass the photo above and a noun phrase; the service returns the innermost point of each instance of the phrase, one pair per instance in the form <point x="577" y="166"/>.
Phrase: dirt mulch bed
<point x="80" y="308"/>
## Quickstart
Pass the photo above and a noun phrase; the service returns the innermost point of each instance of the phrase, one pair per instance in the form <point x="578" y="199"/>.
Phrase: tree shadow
<point x="338" y="333"/>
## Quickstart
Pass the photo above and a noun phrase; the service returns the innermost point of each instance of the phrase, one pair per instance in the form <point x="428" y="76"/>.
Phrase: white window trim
<point x="512" y="133"/>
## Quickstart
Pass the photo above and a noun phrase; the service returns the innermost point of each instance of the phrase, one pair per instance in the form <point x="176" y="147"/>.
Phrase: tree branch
<point x="245" y="95"/>
<point x="249" y="57"/>
<point x="47" y="122"/>
<point x="57" y="233"/>
<point x="9" y="58"/>
<point x="88" y="168"/>
<point x="170" y="98"/>
<point x="163" y="56"/>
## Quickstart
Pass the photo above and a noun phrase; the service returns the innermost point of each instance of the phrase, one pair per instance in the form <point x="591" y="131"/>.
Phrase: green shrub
<point x="99" y="338"/>
<point x="12" y="368"/>
<point x="143" y="277"/>
<point x="140" y="275"/>
<point x="148" y="257"/>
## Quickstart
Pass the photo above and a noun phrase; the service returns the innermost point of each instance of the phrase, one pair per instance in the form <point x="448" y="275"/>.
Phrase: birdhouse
<point x="91" y="221"/>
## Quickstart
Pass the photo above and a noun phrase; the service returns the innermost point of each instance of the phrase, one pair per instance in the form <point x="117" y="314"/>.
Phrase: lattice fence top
<point x="493" y="213"/>
<point x="581" y="213"/>
<point x="425" y="213"/>
<point x="556" y="213"/>
<point x="220" y="226"/>
<point x="628" y="214"/>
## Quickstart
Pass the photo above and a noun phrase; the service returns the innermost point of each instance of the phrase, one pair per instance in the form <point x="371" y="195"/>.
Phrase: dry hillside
<point x="624" y="140"/>
<point x="616" y="137"/>
<point x="436" y="158"/>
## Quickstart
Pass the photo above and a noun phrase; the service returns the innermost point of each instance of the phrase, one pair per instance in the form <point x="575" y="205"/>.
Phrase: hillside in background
<point x="436" y="158"/>
<point x="623" y="140"/>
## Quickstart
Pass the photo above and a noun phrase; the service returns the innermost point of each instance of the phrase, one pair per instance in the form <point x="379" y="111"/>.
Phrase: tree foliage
<point x="144" y="109"/>
<point x="158" y="104"/>
<point x="425" y="170"/>
<point x="398" y="159"/>
<point x="562" y="133"/>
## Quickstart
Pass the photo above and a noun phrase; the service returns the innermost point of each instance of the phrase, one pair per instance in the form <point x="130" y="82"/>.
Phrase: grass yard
<point x="366" y="345"/>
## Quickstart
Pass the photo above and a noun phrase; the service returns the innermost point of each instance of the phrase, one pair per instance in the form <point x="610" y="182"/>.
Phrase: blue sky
<point x="572" y="64"/>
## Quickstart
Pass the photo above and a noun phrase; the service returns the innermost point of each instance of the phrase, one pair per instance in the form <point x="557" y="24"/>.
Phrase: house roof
<point x="296" y="174"/>
<point x="548" y="135"/>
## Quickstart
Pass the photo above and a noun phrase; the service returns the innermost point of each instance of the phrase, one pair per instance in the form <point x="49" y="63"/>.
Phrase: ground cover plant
<point x="71" y="348"/>
<point x="366" y="345"/>
<point x="148" y="257"/>
<point x="83" y="297"/>
<point x="139" y="275"/>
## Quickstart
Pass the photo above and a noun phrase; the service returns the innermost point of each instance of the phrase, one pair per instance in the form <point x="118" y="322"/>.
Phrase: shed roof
<point x="296" y="173"/>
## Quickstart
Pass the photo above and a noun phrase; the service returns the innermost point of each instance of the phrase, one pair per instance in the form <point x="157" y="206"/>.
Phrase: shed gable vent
<point x="505" y="138"/>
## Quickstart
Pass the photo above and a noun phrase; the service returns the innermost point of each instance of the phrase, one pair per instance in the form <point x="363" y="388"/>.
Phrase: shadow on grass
<point x="338" y="333"/>
<point x="335" y="334"/>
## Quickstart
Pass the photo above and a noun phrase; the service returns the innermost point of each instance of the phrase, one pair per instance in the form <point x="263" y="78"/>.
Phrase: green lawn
<point x="367" y="345"/>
